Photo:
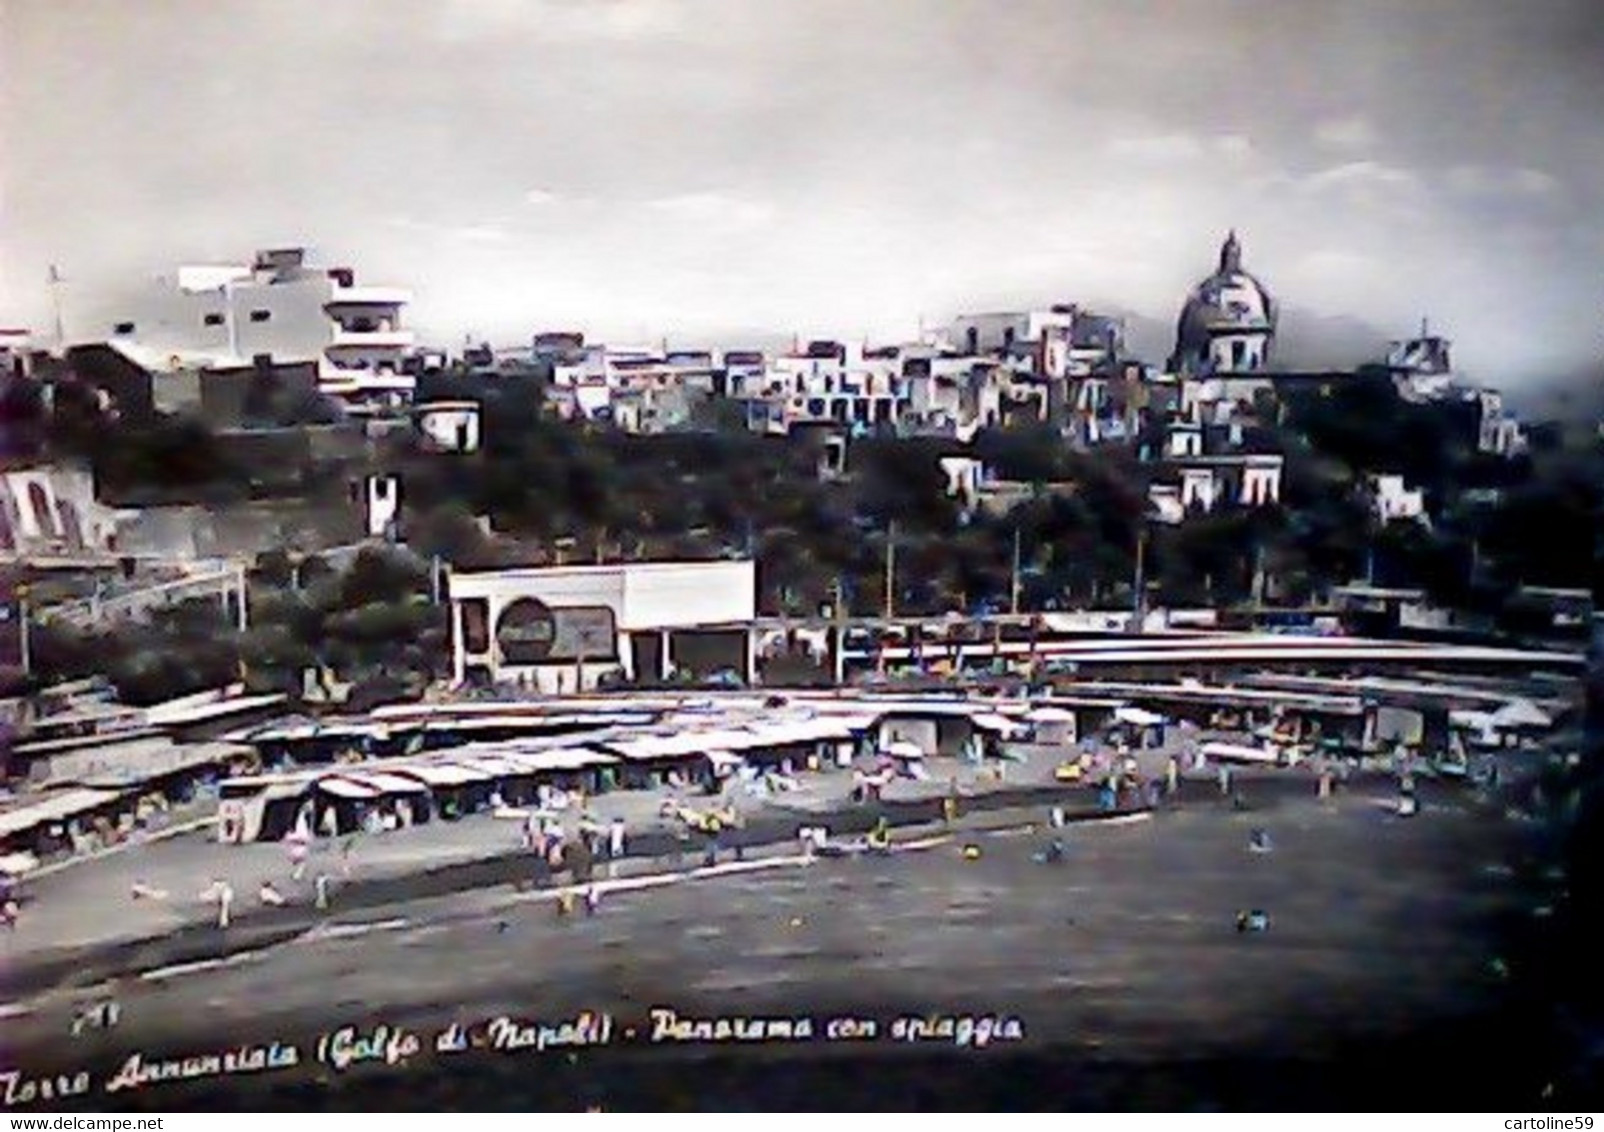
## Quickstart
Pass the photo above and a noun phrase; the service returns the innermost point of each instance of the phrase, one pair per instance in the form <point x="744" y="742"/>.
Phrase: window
<point x="213" y="320"/>
<point x="123" y="328"/>
<point x="475" y="626"/>
<point x="39" y="504"/>
<point x="261" y="315"/>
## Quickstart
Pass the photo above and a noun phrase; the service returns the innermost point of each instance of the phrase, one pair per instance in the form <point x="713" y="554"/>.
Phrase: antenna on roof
<point x="1424" y="326"/>
<point x="55" y="282"/>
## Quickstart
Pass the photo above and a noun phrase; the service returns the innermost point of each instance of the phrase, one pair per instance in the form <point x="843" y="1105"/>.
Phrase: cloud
<point x="538" y="197"/>
<point x="559" y="21"/>
<point x="1361" y="174"/>
<point x="483" y="233"/>
<point x="1487" y="181"/>
<point x="1352" y="133"/>
<point x="1234" y="145"/>
<point x="1367" y="184"/>
<point x="1329" y="265"/>
<point x="712" y="208"/>
<point x="1178" y="148"/>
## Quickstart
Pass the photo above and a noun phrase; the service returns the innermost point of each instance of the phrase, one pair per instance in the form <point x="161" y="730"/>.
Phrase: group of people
<point x="543" y="836"/>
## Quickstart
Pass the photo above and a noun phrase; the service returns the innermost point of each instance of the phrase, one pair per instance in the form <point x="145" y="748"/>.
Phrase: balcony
<point x="379" y="337"/>
<point x="369" y="296"/>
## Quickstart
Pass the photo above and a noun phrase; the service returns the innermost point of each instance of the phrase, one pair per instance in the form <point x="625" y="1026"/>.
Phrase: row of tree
<point x="556" y="491"/>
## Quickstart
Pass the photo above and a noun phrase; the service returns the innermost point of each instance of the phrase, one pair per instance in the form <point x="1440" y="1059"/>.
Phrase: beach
<point x="1121" y="967"/>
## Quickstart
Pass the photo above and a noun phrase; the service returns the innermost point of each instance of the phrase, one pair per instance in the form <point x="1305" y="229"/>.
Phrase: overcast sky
<point x="691" y="167"/>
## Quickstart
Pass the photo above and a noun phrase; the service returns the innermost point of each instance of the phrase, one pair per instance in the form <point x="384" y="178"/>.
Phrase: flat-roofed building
<point x="568" y="628"/>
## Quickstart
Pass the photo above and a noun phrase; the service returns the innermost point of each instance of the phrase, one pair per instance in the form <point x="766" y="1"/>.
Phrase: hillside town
<point x="302" y="614"/>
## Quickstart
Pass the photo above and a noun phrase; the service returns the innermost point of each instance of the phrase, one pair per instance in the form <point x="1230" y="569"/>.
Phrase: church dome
<point x="1229" y="303"/>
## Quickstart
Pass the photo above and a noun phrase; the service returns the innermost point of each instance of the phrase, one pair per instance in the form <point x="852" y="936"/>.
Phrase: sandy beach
<point x="1121" y="967"/>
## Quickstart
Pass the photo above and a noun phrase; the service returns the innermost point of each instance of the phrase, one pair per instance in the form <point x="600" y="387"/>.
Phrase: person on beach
<point x="346" y="848"/>
<point x="592" y="899"/>
<point x="320" y="887"/>
<point x="223" y="893"/>
<point x="10" y="912"/>
<point x="298" y="855"/>
<point x="1054" y="854"/>
<point x="615" y="839"/>
<point x="1172" y="775"/>
<point x="269" y="895"/>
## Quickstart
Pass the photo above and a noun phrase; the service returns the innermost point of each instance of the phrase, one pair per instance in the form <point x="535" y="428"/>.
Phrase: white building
<point x="226" y="316"/>
<point x="1000" y="332"/>
<point x="449" y="426"/>
<point x="1227" y="325"/>
<point x="1422" y="368"/>
<point x="1204" y="483"/>
<point x="1500" y="433"/>
<point x="50" y="510"/>
<point x="566" y="628"/>
<point x="953" y="395"/>
<point x="16" y="348"/>
<point x="828" y="382"/>
<point x="1060" y="342"/>
<point x="640" y="389"/>
<point x="1393" y="500"/>
<point x="965" y="475"/>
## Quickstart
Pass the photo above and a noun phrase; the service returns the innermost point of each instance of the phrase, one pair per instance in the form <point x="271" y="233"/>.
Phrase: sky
<point x="706" y="168"/>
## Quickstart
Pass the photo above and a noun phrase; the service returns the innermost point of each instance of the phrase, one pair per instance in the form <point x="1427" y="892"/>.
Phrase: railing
<point x="99" y="609"/>
<point x="385" y="336"/>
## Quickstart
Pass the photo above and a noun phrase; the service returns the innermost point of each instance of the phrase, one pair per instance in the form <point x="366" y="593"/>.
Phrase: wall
<point x="52" y="509"/>
<point x="642" y="597"/>
<point x="193" y="532"/>
<point x="450" y="428"/>
<point x="170" y="321"/>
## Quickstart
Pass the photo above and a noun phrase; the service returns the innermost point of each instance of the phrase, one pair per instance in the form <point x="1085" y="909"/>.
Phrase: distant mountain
<point x="1572" y="397"/>
<point x="1147" y="339"/>
<point x="1304" y="340"/>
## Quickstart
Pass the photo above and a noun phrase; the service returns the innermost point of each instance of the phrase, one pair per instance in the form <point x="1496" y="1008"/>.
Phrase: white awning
<point x="904" y="749"/>
<point x="1138" y="717"/>
<point x="179" y="713"/>
<point x="1051" y="715"/>
<point x="53" y="808"/>
<point x="561" y="758"/>
<point x="991" y="721"/>
<point x="1521" y="713"/>
<point x="347" y="788"/>
<point x="1234" y="752"/>
<point x="133" y="764"/>
<point x="440" y="774"/>
<point x="812" y="730"/>
<point x="648" y="747"/>
<point x="387" y="783"/>
<point x="16" y="864"/>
